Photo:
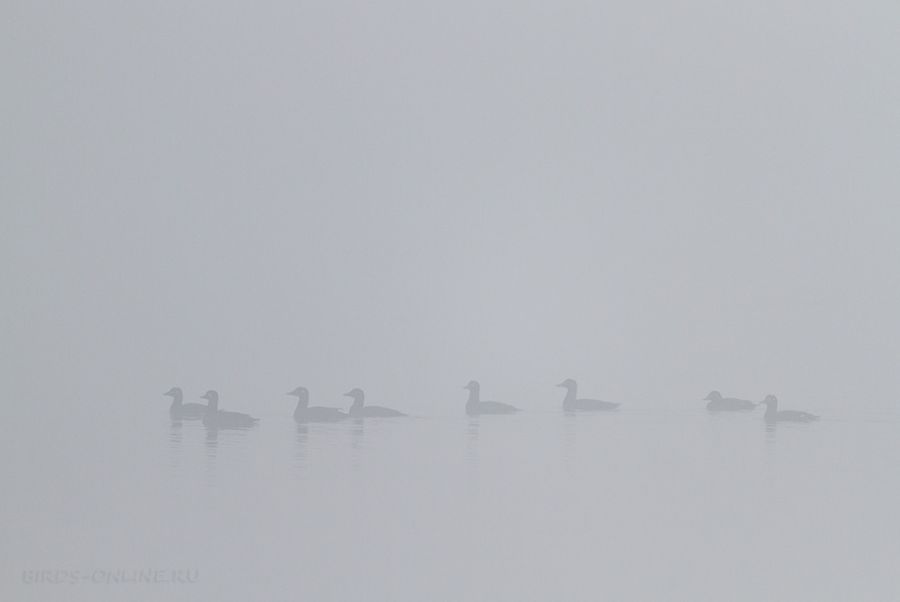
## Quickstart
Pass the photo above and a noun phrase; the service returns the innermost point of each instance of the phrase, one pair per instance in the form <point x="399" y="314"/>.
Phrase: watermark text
<point x="109" y="576"/>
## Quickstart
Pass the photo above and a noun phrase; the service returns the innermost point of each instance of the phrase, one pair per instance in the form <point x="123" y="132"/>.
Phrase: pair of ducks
<point x="209" y="413"/>
<point x="717" y="403"/>
<point x="571" y="403"/>
<point x="304" y="413"/>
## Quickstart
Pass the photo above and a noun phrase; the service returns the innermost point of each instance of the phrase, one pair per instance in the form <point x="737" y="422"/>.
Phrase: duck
<point x="571" y="403"/>
<point x="773" y="415"/>
<point x="220" y="418"/>
<point x="303" y="413"/>
<point x="475" y="407"/>
<point x="358" y="410"/>
<point x="179" y="409"/>
<point x="717" y="403"/>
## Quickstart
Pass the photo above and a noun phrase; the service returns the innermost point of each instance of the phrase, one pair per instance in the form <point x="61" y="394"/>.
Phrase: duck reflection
<point x="357" y="432"/>
<point x="212" y="439"/>
<point x="176" y="436"/>
<point x="473" y="427"/>
<point x="357" y="440"/>
<point x="176" y="442"/>
<point x="301" y="443"/>
<point x="569" y="435"/>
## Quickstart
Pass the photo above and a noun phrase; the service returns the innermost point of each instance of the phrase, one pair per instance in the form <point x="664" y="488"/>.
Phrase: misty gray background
<point x="654" y="198"/>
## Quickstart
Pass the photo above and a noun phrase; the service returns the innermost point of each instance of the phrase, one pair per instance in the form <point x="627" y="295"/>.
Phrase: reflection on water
<point x="175" y="432"/>
<point x="473" y="425"/>
<point x="569" y="425"/>
<point x="184" y="438"/>
<point x="357" y="432"/>
<point x="212" y="440"/>
<point x="175" y="440"/>
<point x="357" y="435"/>
<point x="301" y="441"/>
<point x="211" y="443"/>
<point x="633" y="506"/>
<point x="472" y="431"/>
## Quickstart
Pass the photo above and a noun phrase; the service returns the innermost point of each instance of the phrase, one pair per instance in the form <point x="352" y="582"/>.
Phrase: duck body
<point x="360" y="410"/>
<point x="717" y="403"/>
<point x="224" y="419"/>
<point x="191" y="411"/>
<point x="489" y="407"/>
<point x="319" y="414"/>
<point x="476" y="407"/>
<point x="304" y="414"/>
<point x="572" y="403"/>
<point x="374" y="412"/>
<point x="794" y="416"/>
<point x="589" y="405"/>
<point x="214" y="417"/>
<point x="773" y="415"/>
<point x="184" y="411"/>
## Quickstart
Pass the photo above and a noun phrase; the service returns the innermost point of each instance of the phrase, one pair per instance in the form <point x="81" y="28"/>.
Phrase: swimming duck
<point x="179" y="409"/>
<point x="358" y="410"/>
<point x="304" y="413"/>
<point x="571" y="403"/>
<point x="773" y="415"/>
<point x="474" y="406"/>
<point x="220" y="418"/>
<point x="717" y="403"/>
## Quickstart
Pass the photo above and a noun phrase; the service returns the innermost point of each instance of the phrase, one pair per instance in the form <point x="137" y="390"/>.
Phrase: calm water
<point x="643" y="504"/>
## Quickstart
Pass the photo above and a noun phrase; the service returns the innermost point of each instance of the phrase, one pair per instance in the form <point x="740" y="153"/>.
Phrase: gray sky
<point x="654" y="198"/>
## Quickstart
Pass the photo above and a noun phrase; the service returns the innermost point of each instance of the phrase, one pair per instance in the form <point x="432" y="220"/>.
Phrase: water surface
<point x="640" y="504"/>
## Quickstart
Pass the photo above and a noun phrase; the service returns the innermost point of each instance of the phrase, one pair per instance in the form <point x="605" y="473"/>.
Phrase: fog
<point x="657" y="199"/>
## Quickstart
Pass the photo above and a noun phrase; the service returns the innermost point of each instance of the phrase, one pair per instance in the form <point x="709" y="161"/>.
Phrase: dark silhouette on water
<point x="216" y="418"/>
<point x="303" y="413"/>
<point x="179" y="410"/>
<point x="571" y="403"/>
<point x="358" y="410"/>
<point x="773" y="415"/>
<point x="717" y="403"/>
<point x="476" y="407"/>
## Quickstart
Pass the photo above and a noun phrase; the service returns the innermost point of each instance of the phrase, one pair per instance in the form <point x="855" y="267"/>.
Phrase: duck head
<point x="568" y="384"/>
<point x="357" y="395"/>
<point x="302" y="395"/>
<point x="211" y="396"/>
<point x="474" y="390"/>
<point x="713" y="396"/>
<point x="770" y="400"/>
<point x="174" y="392"/>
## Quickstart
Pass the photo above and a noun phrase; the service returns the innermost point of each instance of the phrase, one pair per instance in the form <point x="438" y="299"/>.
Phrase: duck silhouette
<point x="476" y="407"/>
<point x="179" y="409"/>
<point x="572" y="403"/>
<point x="717" y="403"/>
<point x="773" y="415"/>
<point x="215" y="417"/>
<point x="303" y="413"/>
<point x="359" y="410"/>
